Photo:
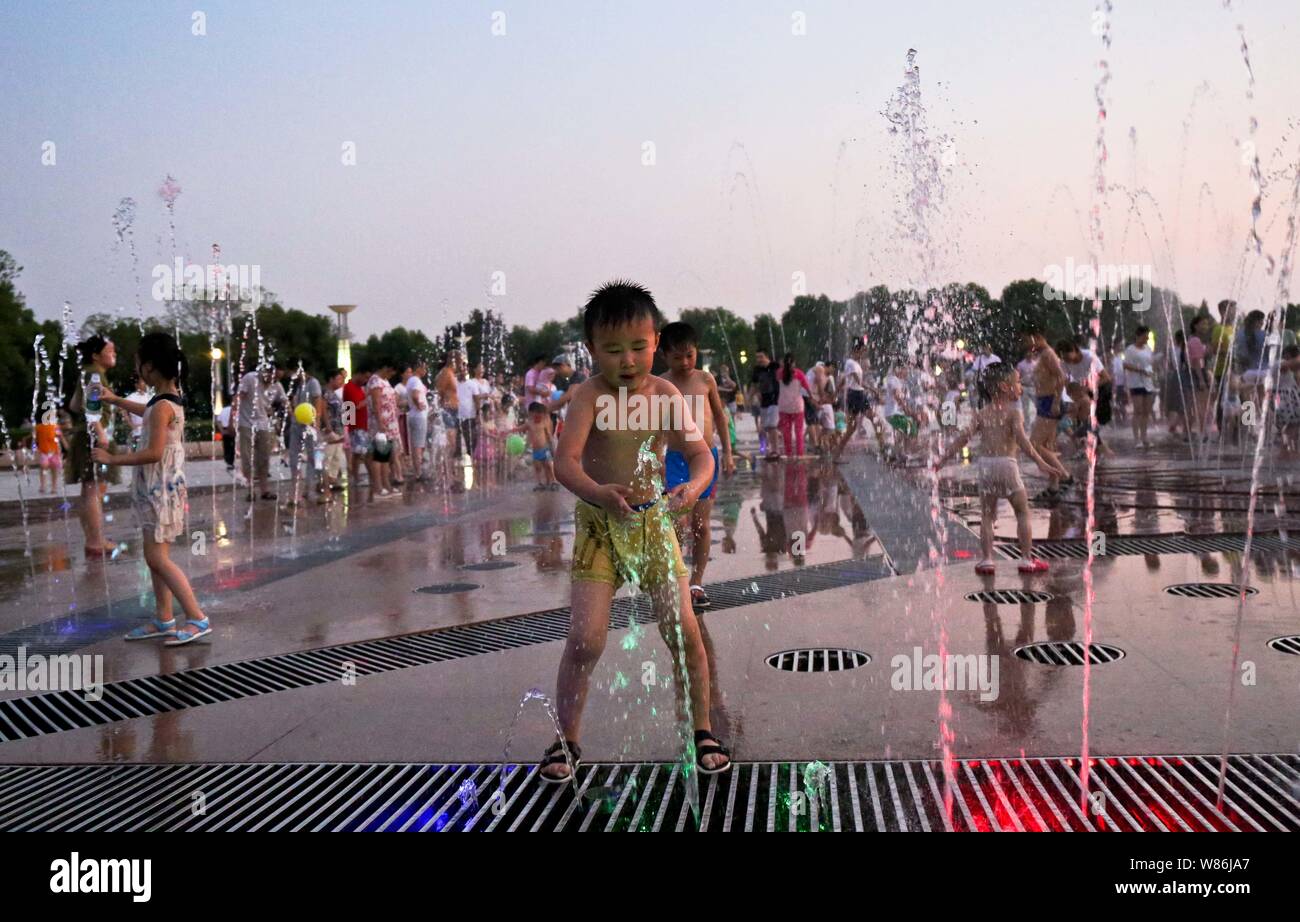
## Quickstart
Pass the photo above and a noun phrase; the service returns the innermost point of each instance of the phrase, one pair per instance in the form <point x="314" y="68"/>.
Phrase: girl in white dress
<point x="158" y="493"/>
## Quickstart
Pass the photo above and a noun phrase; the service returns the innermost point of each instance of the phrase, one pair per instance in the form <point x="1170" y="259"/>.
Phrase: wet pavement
<point x="274" y="583"/>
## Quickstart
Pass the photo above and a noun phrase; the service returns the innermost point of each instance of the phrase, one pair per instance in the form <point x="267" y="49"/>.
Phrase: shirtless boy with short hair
<point x="1049" y="381"/>
<point x="623" y="518"/>
<point x="679" y="345"/>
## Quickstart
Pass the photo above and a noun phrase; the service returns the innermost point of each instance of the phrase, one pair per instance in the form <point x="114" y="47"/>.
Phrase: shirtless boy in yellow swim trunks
<point x="611" y="456"/>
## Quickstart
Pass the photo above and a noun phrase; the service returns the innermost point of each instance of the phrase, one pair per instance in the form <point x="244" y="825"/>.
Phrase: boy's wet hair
<point x="1291" y="352"/>
<point x="1066" y="346"/>
<point x="996" y="375"/>
<point x="536" y="407"/>
<point x="677" y="335"/>
<point x="616" y="303"/>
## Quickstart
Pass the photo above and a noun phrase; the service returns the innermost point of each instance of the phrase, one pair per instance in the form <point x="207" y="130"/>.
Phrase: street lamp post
<point x="344" y="355"/>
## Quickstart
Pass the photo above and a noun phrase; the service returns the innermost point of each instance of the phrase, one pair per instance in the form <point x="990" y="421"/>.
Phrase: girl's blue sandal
<point x="160" y="629"/>
<point x="191" y="632"/>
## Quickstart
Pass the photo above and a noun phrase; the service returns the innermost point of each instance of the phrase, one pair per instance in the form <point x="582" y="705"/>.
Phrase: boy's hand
<point x="611" y="499"/>
<point x="728" y="465"/>
<point x="680" y="498"/>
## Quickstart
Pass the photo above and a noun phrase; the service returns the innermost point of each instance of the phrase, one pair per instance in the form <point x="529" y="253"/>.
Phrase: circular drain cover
<point x="1209" y="590"/>
<point x="1009" y="596"/>
<point x="1068" y="653"/>
<point x="446" y="588"/>
<point x="1289" y="644"/>
<point x="832" y="659"/>
<point x="490" y="565"/>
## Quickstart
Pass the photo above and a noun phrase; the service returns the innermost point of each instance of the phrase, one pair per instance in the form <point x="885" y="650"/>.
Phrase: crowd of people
<point x="645" y="491"/>
<point x="382" y="427"/>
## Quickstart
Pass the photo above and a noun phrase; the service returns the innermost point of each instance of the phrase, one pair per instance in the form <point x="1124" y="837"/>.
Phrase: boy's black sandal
<point x="714" y="749"/>
<point x="555" y="756"/>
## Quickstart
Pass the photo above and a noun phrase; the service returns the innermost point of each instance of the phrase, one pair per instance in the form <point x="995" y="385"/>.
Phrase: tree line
<point x="813" y="327"/>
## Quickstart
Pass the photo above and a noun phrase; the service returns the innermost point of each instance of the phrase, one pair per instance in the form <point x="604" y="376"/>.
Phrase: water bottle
<point x="94" y="406"/>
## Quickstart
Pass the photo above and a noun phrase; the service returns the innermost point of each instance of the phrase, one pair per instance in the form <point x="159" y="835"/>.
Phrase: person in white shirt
<point x="417" y="415"/>
<point x="856" y="405"/>
<point x="1026" y="368"/>
<point x="979" y="367"/>
<point x="897" y="403"/>
<point x="1140" y="379"/>
<point x="1120" y="404"/>
<point x="260" y="398"/>
<point x="142" y="395"/>
<point x="470" y="394"/>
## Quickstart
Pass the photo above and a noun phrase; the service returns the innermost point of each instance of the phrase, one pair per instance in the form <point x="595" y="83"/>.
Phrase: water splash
<point x="536" y="694"/>
<point x="168" y="192"/>
<point x="919" y="213"/>
<point x="1097" y="245"/>
<point x="124" y="229"/>
<point x="1276" y="321"/>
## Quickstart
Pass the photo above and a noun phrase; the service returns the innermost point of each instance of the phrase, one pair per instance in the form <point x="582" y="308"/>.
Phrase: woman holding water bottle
<point x="89" y="419"/>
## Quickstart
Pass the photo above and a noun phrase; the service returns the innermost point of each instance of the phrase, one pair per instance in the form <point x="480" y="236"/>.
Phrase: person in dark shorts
<point x="856" y="405"/>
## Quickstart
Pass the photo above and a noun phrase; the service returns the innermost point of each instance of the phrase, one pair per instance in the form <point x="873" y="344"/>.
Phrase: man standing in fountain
<point x="449" y="404"/>
<point x="1049" y="381"/>
<point x="768" y="393"/>
<point x="623" y="520"/>
<point x="856" y="405"/>
<point x="417" y="416"/>
<point x="258" y="389"/>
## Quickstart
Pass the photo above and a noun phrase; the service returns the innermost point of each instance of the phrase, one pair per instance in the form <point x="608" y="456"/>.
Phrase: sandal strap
<point x="556" y="752"/>
<point x="711" y="745"/>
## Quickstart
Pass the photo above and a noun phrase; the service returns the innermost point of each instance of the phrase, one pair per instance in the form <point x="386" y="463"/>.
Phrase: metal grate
<point x="490" y="565"/>
<point x="447" y="588"/>
<point x="1068" y="653"/>
<point x="1289" y="644"/>
<point x="1130" y="545"/>
<point x="1009" y="596"/>
<point x="1210" y="590"/>
<point x="826" y="659"/>
<point x="57" y="712"/>
<point x="1125" y="794"/>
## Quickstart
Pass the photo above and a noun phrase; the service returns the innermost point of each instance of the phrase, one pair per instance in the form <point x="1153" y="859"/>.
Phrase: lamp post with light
<point x="344" y="355"/>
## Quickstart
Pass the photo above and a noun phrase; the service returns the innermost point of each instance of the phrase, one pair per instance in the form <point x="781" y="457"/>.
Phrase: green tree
<point x="18" y="331"/>
<point x="287" y="334"/>
<point x="723" y="334"/>
<point x="396" y="347"/>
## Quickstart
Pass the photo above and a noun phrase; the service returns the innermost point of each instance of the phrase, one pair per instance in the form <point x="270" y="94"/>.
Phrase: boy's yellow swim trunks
<point x="640" y="549"/>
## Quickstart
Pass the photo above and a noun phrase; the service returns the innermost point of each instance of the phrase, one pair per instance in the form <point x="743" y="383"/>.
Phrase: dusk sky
<point x="524" y="153"/>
